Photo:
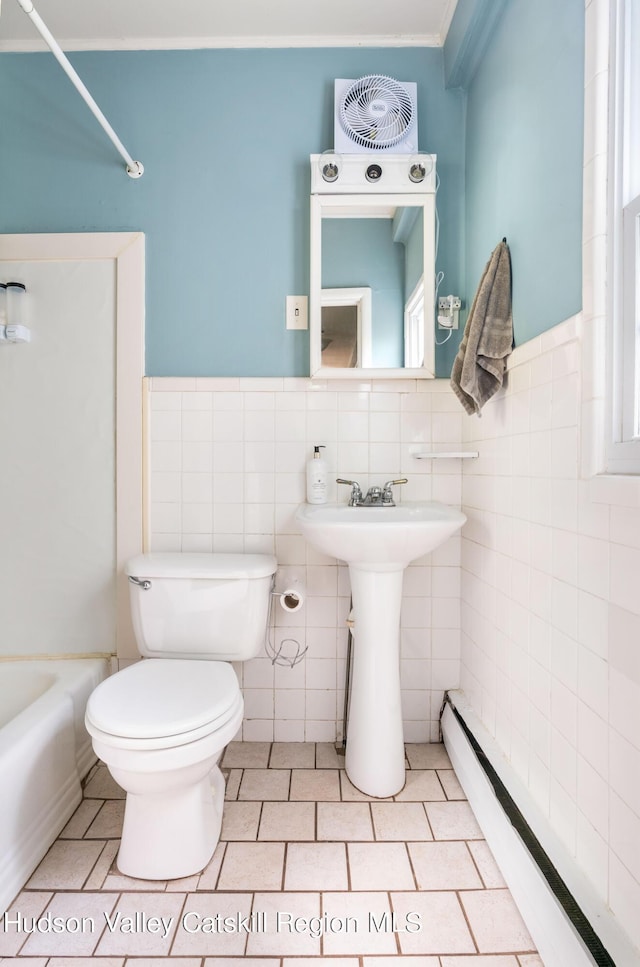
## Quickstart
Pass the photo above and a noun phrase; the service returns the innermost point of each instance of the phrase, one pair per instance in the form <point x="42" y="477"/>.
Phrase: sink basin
<point x="377" y="543"/>
<point x="386" y="538"/>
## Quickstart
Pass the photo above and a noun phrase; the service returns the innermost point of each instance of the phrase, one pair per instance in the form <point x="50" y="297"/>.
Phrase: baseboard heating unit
<point x="570" y="925"/>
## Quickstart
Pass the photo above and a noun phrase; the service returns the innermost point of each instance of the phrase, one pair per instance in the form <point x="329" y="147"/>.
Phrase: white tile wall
<point x="226" y="473"/>
<point x="551" y="617"/>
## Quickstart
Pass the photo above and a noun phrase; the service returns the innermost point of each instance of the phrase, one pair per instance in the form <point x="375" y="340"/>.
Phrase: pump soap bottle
<point x="317" y="478"/>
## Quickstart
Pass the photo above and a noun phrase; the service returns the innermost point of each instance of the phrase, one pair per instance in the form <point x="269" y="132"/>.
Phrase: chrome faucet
<point x="355" y="500"/>
<point x="376" y="496"/>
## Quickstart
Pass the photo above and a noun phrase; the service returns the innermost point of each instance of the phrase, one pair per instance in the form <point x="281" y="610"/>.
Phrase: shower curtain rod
<point x="134" y="168"/>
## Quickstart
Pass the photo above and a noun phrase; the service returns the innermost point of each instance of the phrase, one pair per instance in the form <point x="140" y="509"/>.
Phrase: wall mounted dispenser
<point x="12" y="306"/>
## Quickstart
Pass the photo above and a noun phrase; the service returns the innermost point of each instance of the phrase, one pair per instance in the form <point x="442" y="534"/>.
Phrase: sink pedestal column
<point x="374" y="758"/>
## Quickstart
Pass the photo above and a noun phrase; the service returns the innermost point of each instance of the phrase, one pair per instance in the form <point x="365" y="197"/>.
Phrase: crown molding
<point x="214" y="43"/>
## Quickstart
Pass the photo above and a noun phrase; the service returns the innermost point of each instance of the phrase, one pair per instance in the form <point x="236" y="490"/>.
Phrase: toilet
<point x="161" y="724"/>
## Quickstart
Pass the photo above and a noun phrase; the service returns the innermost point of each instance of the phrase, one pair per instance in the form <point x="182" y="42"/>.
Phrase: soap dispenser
<point x="317" y="478"/>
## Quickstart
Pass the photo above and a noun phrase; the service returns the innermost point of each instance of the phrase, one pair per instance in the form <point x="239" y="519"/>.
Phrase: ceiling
<point x="151" y="24"/>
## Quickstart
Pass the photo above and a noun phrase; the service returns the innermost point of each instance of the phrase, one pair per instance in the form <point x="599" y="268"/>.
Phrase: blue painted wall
<point x="524" y="138"/>
<point x="225" y="137"/>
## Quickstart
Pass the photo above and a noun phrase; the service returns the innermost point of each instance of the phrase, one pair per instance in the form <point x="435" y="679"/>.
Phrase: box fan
<point x="375" y="113"/>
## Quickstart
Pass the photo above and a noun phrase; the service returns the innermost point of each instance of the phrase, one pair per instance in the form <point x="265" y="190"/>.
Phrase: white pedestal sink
<point x="377" y="543"/>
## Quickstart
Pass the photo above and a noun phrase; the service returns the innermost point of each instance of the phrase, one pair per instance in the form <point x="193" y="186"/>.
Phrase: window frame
<point x="623" y="226"/>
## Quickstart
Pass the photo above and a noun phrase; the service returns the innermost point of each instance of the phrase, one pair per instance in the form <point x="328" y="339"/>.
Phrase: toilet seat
<point x="162" y="703"/>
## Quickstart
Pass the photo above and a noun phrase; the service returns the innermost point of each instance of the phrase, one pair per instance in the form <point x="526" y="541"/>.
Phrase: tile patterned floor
<point x="318" y="870"/>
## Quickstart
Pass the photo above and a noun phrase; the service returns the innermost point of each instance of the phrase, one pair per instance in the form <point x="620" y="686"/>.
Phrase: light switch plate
<point x="297" y="315"/>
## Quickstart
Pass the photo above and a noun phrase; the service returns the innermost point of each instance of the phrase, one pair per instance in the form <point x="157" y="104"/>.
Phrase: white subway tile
<point x="197" y="424"/>
<point x="197" y="457"/>
<point x="197" y="487"/>
<point x="197" y="518"/>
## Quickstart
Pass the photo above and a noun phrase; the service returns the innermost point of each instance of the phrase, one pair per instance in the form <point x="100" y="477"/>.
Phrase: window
<point x="624" y="239"/>
<point x="414" y="328"/>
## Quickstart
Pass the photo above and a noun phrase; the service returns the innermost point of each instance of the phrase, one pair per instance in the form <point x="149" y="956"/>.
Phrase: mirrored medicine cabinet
<point x="371" y="311"/>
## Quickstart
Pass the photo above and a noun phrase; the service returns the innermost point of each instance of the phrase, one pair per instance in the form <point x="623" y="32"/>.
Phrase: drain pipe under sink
<point x="340" y="748"/>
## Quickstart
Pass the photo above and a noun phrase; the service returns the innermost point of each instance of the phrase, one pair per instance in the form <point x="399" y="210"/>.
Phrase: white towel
<point x="479" y="367"/>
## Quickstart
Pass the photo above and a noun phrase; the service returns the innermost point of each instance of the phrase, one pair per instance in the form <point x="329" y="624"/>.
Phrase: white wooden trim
<point x="360" y="299"/>
<point x="223" y="43"/>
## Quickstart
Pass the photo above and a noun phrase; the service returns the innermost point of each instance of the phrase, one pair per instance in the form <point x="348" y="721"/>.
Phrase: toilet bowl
<point x="161" y="725"/>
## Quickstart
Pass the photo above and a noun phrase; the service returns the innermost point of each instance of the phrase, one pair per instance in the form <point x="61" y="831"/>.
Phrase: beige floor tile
<point x="240" y="820"/>
<point x="232" y="962"/>
<point x="400" y="821"/>
<point x="453" y="820"/>
<point x="144" y="941"/>
<point x="119" y="883"/>
<point x="184" y="884"/>
<point x="421" y="785"/>
<point x="88" y="909"/>
<point x="27" y="904"/>
<point x="66" y="865"/>
<point x="443" y="928"/>
<point x="232" y="784"/>
<point x="450" y="784"/>
<point x="285" y="829"/>
<point x="194" y="936"/>
<point x="246" y="755"/>
<point x="349" y="821"/>
<point x="315" y="785"/>
<point x="489" y="871"/>
<point x="158" y="962"/>
<point x="209" y="877"/>
<point x="91" y="962"/>
<point x="366" y="920"/>
<point x="285" y="821"/>
<point x="496" y="922"/>
<point x="380" y="866"/>
<point x="316" y="866"/>
<point x="293" y="755"/>
<point x="265" y="784"/>
<point x="310" y="961"/>
<point x="81" y="819"/>
<point x="414" y="962"/>
<point x="480" y="960"/>
<point x="283" y="937"/>
<point x="102" y="785"/>
<point x="428" y="755"/>
<point x="351" y="794"/>
<point x="252" y="866"/>
<point x="99" y="873"/>
<point x="108" y="822"/>
<point x="444" y="866"/>
<point x="327" y="756"/>
<point x="25" y="961"/>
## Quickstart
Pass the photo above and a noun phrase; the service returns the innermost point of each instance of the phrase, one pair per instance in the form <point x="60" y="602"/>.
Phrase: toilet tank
<point x="207" y="606"/>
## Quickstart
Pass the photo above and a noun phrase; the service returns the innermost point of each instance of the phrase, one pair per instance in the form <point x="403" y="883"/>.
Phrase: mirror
<point x="372" y="285"/>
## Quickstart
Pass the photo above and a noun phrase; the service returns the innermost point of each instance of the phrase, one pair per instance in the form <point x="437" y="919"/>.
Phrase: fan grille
<point x="376" y="112"/>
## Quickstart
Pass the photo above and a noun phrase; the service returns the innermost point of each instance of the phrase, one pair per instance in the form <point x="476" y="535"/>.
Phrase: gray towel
<point x="479" y="367"/>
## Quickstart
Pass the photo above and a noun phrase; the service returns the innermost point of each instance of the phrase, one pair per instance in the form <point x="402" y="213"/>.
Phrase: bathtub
<point x="44" y="752"/>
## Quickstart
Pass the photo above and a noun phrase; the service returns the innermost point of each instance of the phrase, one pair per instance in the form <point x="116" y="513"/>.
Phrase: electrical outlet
<point x="297" y="315"/>
<point x="448" y="308"/>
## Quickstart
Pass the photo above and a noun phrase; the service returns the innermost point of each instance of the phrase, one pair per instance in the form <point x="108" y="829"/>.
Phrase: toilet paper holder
<point x="291" y="599"/>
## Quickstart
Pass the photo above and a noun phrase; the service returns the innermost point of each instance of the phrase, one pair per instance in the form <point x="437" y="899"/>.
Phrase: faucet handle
<point x="387" y="493"/>
<point x="356" y="492"/>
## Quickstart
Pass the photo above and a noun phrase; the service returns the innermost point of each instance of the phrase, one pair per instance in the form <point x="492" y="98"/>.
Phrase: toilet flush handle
<point x="142" y="583"/>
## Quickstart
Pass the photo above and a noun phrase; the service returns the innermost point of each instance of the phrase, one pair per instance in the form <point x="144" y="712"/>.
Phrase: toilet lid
<point x="163" y="697"/>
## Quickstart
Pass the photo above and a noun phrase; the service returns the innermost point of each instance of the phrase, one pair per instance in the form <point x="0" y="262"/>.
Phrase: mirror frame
<point x="369" y="206"/>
